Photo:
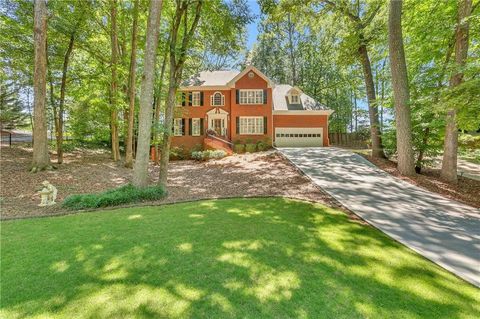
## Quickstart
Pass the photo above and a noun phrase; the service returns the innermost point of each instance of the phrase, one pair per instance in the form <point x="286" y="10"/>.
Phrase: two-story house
<point x="246" y="105"/>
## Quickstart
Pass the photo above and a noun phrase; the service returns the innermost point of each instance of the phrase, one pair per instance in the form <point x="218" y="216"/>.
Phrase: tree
<point x="11" y="108"/>
<point x="140" y="170"/>
<point x="401" y="93"/>
<point x="450" y="149"/>
<point x="359" y="24"/>
<point x="113" y="83"/>
<point x="41" y="158"/>
<point x="177" y="57"/>
<point x="131" y="89"/>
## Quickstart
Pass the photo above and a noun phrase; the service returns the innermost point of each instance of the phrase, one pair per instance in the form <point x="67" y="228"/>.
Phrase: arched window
<point x="217" y="99"/>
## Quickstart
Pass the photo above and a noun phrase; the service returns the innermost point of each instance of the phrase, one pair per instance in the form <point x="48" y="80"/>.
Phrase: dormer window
<point x="294" y="98"/>
<point x="217" y="99"/>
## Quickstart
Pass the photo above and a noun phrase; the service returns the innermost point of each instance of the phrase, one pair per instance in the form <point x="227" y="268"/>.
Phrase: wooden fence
<point x="353" y="140"/>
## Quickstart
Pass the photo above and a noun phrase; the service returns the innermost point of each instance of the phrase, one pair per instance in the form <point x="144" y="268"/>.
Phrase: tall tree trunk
<point x="377" y="147"/>
<point x="401" y="94"/>
<point x="165" y="153"/>
<point x="131" y="89"/>
<point x="41" y="158"/>
<point x="436" y="97"/>
<point x="449" y="163"/>
<point x="59" y="127"/>
<point x="176" y="68"/>
<point x="140" y="170"/>
<point x="291" y="30"/>
<point x="157" y="108"/>
<point x="114" y="84"/>
<point x="356" y="111"/>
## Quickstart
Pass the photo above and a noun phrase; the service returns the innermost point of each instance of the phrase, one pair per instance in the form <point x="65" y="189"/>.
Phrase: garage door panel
<point x="298" y="136"/>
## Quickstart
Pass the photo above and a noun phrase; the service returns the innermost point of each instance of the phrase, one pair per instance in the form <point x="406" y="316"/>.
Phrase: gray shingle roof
<point x="280" y="100"/>
<point x="211" y="78"/>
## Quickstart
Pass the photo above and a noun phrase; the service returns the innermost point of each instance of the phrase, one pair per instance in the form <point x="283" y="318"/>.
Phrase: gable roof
<point x="211" y="78"/>
<point x="222" y="78"/>
<point x="280" y="100"/>
<point x="248" y="69"/>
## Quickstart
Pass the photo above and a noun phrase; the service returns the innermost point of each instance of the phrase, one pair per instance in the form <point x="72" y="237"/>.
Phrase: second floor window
<point x="294" y="99"/>
<point x="196" y="98"/>
<point x="217" y="99"/>
<point x="251" y="96"/>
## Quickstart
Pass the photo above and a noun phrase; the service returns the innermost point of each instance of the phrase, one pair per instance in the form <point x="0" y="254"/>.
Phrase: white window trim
<point x="177" y="127"/>
<point x="212" y="99"/>
<point x="196" y="120"/>
<point x="256" y="132"/>
<point x="255" y="97"/>
<point x="294" y="95"/>
<point x="194" y="96"/>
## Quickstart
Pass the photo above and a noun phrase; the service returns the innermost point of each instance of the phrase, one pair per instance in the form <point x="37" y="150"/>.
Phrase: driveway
<point x="444" y="231"/>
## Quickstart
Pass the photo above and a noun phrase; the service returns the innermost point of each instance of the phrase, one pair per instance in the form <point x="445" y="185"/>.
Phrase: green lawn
<point x="247" y="258"/>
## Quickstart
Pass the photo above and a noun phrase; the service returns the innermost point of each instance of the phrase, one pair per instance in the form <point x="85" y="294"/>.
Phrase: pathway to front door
<point x="444" y="231"/>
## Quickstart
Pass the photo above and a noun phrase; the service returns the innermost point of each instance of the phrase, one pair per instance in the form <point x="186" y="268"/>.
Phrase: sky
<point x="252" y="28"/>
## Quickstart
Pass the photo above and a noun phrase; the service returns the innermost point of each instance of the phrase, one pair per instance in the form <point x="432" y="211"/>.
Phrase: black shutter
<point x="265" y="127"/>
<point x="265" y="96"/>
<point x="183" y="127"/>
<point x="201" y="98"/>
<point x="190" y="98"/>
<point x="201" y="124"/>
<point x="238" y="97"/>
<point x="238" y="124"/>
<point x="189" y="126"/>
<point x="183" y="98"/>
<point x="173" y="126"/>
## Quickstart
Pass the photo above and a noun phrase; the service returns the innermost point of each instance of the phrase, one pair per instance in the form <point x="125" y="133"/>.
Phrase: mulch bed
<point x="466" y="190"/>
<point x="89" y="171"/>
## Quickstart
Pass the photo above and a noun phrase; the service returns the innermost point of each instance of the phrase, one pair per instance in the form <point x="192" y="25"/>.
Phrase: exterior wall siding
<point x="239" y="110"/>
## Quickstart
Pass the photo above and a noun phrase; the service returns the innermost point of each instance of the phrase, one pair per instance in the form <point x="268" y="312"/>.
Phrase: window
<point x="217" y="99"/>
<point x="294" y="99"/>
<point x="251" y="125"/>
<point x="196" y="127"/>
<point x="177" y="127"/>
<point x="251" y="96"/>
<point x="195" y="98"/>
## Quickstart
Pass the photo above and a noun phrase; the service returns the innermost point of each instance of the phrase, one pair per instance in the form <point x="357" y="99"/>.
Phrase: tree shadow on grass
<point x="249" y="258"/>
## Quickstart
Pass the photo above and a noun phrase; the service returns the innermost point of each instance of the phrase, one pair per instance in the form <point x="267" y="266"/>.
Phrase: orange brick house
<point x="233" y="106"/>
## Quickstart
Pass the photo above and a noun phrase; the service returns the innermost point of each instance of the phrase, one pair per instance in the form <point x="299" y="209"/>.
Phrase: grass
<point x="114" y="197"/>
<point x="244" y="258"/>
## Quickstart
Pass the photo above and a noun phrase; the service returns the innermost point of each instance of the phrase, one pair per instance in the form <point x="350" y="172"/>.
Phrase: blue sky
<point x="252" y="28"/>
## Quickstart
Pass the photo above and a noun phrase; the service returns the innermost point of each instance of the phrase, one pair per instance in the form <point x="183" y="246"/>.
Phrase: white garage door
<point x="298" y="136"/>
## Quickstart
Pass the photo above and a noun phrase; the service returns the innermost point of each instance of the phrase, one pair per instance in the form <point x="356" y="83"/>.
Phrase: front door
<point x="217" y="126"/>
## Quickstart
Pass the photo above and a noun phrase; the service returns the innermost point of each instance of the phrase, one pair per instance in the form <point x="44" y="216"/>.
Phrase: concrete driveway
<point x="442" y="230"/>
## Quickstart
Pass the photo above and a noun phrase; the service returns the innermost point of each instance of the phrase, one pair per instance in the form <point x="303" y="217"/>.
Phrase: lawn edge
<point x="373" y="225"/>
<point x="155" y="204"/>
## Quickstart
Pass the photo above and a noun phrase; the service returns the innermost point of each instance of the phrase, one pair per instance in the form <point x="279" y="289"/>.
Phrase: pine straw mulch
<point x="90" y="171"/>
<point x="466" y="190"/>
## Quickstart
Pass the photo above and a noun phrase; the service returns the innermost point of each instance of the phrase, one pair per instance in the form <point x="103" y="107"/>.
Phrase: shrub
<point x="197" y="155"/>
<point x="118" y="196"/>
<point x="264" y="144"/>
<point x="217" y="154"/>
<point x="469" y="141"/>
<point x="239" y="148"/>
<point x="178" y="153"/>
<point x="197" y="148"/>
<point x="208" y="154"/>
<point x="250" y="147"/>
